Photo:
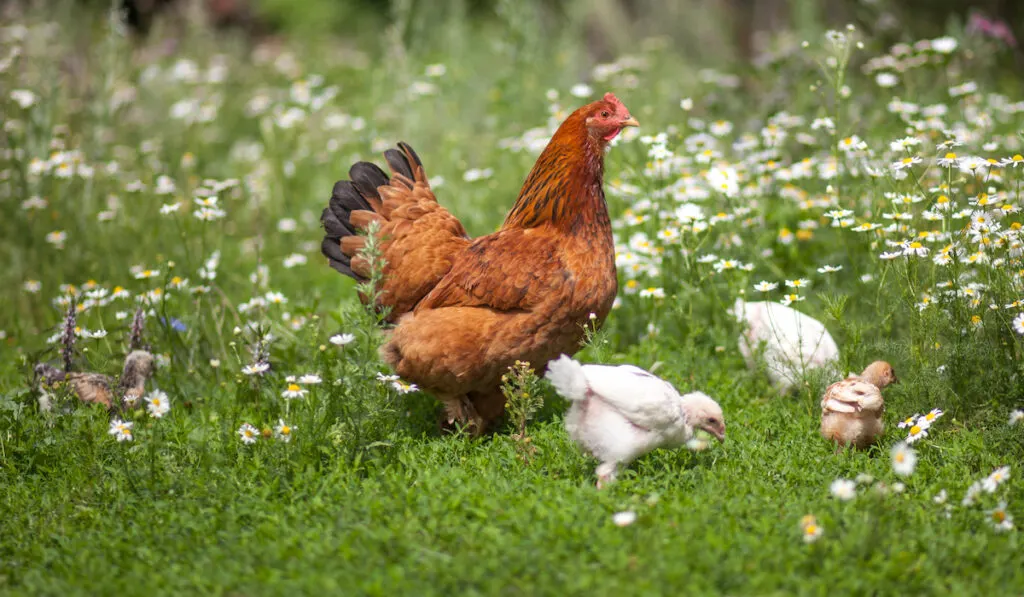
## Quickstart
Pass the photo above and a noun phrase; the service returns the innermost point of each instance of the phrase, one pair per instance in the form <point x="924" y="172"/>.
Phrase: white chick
<point x="621" y="412"/>
<point x="851" y="409"/>
<point x="794" y="343"/>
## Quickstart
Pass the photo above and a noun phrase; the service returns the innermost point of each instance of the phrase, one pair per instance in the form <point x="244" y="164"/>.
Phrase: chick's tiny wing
<point x="851" y="396"/>
<point x="641" y="397"/>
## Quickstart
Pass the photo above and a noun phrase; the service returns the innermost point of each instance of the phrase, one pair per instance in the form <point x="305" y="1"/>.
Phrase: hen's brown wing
<point x="419" y="238"/>
<point x="511" y="270"/>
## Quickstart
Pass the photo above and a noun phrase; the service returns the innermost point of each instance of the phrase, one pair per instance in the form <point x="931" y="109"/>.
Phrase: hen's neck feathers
<point x="565" y="187"/>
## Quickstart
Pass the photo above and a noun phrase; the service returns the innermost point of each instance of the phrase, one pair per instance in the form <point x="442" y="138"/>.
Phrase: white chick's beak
<point x="719" y="433"/>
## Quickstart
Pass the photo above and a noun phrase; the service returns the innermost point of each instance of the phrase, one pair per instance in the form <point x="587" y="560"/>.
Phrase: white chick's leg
<point x="605" y="474"/>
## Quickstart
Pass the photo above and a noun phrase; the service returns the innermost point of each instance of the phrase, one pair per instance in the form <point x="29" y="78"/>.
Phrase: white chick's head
<point x="702" y="412"/>
<point x="880" y="374"/>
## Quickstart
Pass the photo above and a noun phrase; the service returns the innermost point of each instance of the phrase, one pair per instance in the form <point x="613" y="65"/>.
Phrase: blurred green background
<point x="704" y="29"/>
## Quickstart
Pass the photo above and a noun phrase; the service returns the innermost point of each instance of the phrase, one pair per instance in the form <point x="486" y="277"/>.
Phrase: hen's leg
<point x="605" y="474"/>
<point x="459" y="410"/>
<point x="490" y="406"/>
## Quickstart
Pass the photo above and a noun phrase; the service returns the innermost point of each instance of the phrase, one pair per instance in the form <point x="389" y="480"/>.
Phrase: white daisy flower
<point x="248" y="433"/>
<point x="971" y="494"/>
<point x="812" y="531"/>
<point x="256" y="368"/>
<point x="843" y="489"/>
<point x="157" y="404"/>
<point x="122" y="430"/>
<point x="997" y="478"/>
<point x="908" y="422"/>
<point x="1018" y="324"/>
<point x="932" y="416"/>
<point x="916" y="432"/>
<point x="283" y="431"/>
<point x="904" y="459"/>
<point x="342" y="339"/>
<point x="294" y="390"/>
<point x="1000" y="518"/>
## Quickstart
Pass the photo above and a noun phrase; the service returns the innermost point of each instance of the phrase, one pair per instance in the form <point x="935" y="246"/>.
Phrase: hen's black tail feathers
<point x="360" y="193"/>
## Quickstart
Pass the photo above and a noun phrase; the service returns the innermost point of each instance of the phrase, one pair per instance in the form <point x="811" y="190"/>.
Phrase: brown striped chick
<point x="91" y="387"/>
<point x="851" y="409"/>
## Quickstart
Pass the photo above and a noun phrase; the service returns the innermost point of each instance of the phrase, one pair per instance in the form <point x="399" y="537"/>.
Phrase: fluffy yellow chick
<point x="851" y="409"/>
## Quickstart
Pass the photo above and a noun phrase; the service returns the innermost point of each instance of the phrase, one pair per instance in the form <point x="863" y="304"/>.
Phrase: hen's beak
<point x="630" y="122"/>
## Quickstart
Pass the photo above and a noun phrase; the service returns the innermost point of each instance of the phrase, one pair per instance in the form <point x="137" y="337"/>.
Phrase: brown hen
<point x="466" y="309"/>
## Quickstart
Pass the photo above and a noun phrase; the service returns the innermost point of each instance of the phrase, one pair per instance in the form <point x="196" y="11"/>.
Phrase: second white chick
<point x="794" y="343"/>
<point x="619" y="413"/>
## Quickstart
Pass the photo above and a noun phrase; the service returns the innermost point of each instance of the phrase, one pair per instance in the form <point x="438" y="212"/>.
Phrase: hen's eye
<point x="604" y="114"/>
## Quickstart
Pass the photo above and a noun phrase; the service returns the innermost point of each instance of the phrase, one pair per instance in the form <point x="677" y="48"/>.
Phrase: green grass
<point x="368" y="497"/>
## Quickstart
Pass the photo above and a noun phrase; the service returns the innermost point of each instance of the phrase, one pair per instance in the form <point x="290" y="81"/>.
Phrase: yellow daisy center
<point x="294" y="387"/>
<point x="916" y="429"/>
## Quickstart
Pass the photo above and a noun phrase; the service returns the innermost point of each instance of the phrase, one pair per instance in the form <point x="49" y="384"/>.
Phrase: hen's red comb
<point x="611" y="99"/>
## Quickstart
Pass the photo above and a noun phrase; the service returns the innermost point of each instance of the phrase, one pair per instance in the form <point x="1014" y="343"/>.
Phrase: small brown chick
<point x="96" y="388"/>
<point x="851" y="409"/>
<point x="91" y="387"/>
<point x="138" y="367"/>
